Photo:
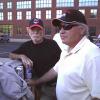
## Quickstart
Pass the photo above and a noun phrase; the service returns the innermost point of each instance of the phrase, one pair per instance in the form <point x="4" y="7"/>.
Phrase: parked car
<point x="4" y="38"/>
<point x="98" y="44"/>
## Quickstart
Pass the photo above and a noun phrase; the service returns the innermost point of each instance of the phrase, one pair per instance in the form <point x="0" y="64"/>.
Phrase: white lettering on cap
<point x="36" y="21"/>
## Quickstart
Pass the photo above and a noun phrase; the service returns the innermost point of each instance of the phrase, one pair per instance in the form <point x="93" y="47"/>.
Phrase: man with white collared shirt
<point x="78" y="69"/>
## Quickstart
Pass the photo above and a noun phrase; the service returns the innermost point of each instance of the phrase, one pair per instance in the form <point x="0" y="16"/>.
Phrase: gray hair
<point x="86" y="32"/>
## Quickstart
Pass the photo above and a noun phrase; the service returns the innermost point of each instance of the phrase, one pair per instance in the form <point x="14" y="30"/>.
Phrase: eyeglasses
<point x="67" y="26"/>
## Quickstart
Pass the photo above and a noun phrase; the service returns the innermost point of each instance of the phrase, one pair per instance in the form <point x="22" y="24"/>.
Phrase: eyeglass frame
<point x="69" y="25"/>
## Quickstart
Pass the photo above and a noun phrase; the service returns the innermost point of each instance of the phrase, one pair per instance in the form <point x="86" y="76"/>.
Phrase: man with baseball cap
<point x="36" y="23"/>
<point x="39" y="53"/>
<point x="69" y="17"/>
<point x="78" y="69"/>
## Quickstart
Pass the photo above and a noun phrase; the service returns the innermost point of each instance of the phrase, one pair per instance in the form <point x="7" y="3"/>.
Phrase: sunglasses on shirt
<point x="67" y="26"/>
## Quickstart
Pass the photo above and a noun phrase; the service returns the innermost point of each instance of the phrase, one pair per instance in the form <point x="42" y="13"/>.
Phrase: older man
<point x="78" y="69"/>
<point x="39" y="53"/>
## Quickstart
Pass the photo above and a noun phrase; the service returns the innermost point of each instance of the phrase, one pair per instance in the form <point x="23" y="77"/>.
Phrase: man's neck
<point x="38" y="42"/>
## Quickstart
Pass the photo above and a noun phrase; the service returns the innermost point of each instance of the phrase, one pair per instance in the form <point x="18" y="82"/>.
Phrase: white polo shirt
<point x="79" y="72"/>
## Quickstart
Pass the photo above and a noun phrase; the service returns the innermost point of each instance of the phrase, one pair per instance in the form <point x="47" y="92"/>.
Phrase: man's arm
<point x="15" y="56"/>
<point x="25" y="60"/>
<point x="51" y="74"/>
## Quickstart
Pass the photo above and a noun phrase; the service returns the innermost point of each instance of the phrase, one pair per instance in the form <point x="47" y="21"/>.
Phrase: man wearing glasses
<point x="78" y="69"/>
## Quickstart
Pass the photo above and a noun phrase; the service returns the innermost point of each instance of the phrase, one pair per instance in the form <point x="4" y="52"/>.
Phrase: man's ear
<point x="82" y="29"/>
<point x="28" y="29"/>
<point x="44" y="29"/>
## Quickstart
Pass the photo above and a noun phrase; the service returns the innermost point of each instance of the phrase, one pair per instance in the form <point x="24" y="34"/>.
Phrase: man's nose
<point x="35" y="31"/>
<point x="62" y="31"/>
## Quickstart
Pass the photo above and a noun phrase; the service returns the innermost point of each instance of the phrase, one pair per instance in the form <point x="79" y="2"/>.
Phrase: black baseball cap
<point x="71" y="15"/>
<point x="35" y="22"/>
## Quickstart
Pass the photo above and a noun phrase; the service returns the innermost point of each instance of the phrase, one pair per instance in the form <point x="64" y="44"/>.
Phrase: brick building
<point x="15" y="14"/>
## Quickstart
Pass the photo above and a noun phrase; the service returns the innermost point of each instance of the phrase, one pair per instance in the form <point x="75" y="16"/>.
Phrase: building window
<point x="6" y="29"/>
<point x="48" y="14"/>
<point x="1" y="16"/>
<point x="1" y="5"/>
<point x="58" y="13"/>
<point x="88" y="3"/>
<point x="28" y="14"/>
<point x="43" y="3"/>
<point x="93" y="13"/>
<point x="82" y="11"/>
<point x="9" y="5"/>
<point x="38" y="14"/>
<point x="65" y="3"/>
<point x="24" y="5"/>
<point x="19" y="15"/>
<point x="9" y="15"/>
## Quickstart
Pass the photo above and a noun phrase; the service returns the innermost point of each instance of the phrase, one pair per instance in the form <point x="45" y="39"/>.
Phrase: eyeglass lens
<point x="67" y="26"/>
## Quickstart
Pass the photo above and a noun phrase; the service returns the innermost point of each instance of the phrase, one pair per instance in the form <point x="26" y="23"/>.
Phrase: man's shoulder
<point x="90" y="49"/>
<point x="27" y="42"/>
<point x="50" y="41"/>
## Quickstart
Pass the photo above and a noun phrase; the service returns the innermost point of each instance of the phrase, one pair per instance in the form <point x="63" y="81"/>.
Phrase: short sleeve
<point x="92" y="76"/>
<point x="21" y="48"/>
